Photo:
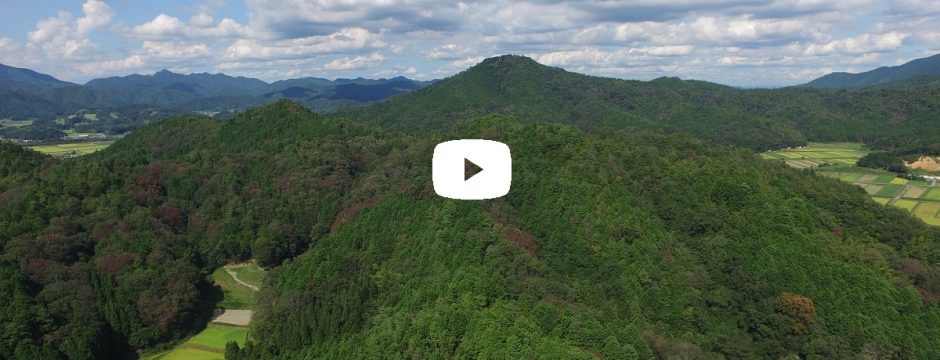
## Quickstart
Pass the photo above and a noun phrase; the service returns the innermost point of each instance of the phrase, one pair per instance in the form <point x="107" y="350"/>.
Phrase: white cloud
<point x="861" y="44"/>
<point x="711" y="39"/>
<point x="169" y="27"/>
<point x="344" y="41"/>
<point x="358" y="62"/>
<point x="63" y="36"/>
<point x="97" y="14"/>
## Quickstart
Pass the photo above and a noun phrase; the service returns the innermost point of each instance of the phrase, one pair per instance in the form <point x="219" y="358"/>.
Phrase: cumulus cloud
<point x="169" y="27"/>
<point x="343" y="41"/>
<point x="358" y="62"/>
<point x="865" y="43"/>
<point x="301" y="18"/>
<point x="63" y="36"/>
<point x="777" y="41"/>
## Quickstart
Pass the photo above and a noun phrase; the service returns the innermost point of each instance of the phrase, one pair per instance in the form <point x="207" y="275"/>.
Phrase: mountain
<point x="929" y="66"/>
<point x="757" y="118"/>
<point x="120" y="104"/>
<point x="18" y="79"/>
<point x="329" y="96"/>
<point x="168" y="89"/>
<point x="611" y="244"/>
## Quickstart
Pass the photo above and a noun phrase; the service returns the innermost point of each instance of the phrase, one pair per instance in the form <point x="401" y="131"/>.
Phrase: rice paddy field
<point x="920" y="198"/>
<point x="209" y="344"/>
<point x="72" y="149"/>
<point x="819" y="154"/>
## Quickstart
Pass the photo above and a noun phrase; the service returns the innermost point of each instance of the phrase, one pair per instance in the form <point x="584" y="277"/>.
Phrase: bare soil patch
<point x="928" y="163"/>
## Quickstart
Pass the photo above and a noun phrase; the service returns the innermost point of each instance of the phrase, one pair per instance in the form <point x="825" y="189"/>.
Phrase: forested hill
<point x="28" y="80"/>
<point x="17" y="166"/>
<point x="611" y="244"/>
<point x="924" y="67"/>
<point x="26" y="94"/>
<point x="759" y="119"/>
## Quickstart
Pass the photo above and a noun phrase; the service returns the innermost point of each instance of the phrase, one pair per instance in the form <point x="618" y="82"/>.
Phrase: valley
<point x="644" y="221"/>
<point x="920" y="197"/>
<point x="239" y="284"/>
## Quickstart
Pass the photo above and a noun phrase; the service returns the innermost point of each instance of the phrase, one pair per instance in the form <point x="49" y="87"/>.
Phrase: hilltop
<point x="611" y="244"/>
<point x="924" y="67"/>
<point x="758" y="118"/>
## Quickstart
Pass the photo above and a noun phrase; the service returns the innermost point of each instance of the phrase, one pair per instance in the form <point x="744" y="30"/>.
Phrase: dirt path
<point x="235" y="276"/>
<point x="897" y="197"/>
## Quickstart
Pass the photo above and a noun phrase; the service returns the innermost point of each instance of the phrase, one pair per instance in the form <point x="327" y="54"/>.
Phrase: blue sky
<point x="736" y="42"/>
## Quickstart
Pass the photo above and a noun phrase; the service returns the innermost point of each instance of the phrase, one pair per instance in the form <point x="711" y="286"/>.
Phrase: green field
<point x="209" y="344"/>
<point x="906" y="204"/>
<point x="188" y="354"/>
<point x="250" y="273"/>
<point x="820" y="155"/>
<point x="81" y="148"/>
<point x="216" y="336"/>
<point x="236" y="296"/>
<point x="918" y="197"/>
<point x="838" y="161"/>
<point x="932" y="194"/>
<point x="15" y="123"/>
<point x="927" y="211"/>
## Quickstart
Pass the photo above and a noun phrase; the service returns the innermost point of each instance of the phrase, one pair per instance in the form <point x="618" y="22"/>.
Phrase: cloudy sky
<point x="736" y="42"/>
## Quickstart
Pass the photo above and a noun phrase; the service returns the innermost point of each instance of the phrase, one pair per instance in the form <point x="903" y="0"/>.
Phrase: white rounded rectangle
<point x="447" y="169"/>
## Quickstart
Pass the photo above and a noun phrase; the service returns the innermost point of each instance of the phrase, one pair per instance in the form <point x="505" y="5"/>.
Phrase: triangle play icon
<point x="470" y="169"/>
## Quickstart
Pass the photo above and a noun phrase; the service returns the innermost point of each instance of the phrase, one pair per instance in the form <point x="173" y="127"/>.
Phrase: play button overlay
<point x="471" y="169"/>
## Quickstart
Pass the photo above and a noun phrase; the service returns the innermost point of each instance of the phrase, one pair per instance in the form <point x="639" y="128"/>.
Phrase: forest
<point x="613" y="243"/>
<point x="761" y="119"/>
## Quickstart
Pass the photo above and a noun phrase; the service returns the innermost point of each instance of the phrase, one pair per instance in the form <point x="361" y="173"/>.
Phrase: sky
<point x="735" y="42"/>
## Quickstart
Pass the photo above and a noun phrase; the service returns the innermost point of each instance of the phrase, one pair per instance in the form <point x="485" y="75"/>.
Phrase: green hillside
<point x="760" y="119"/>
<point x="882" y="76"/>
<point x="611" y="244"/>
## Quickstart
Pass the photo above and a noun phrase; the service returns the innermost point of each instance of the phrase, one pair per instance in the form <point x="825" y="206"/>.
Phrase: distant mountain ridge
<point x="924" y="67"/>
<point x="20" y="78"/>
<point x="29" y="94"/>
<point x="760" y="119"/>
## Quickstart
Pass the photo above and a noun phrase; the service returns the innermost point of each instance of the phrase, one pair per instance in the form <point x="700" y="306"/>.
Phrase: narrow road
<point x="896" y="197"/>
<point x="235" y="276"/>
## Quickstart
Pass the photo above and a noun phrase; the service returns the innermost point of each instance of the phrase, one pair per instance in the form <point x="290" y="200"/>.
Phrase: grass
<point x="889" y="190"/>
<point x="933" y="194"/>
<point x="899" y="181"/>
<point x="183" y="353"/>
<point x="81" y="148"/>
<point x="216" y="336"/>
<point x="820" y="155"/>
<point x="927" y="211"/>
<point x="884" y="179"/>
<point x="881" y="200"/>
<point x="236" y="296"/>
<point x="905" y="204"/>
<point x="250" y="273"/>
<point x="915" y="192"/>
<point x="15" y="123"/>
<point x="873" y="189"/>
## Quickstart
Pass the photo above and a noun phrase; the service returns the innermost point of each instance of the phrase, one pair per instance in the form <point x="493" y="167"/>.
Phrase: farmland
<point x="209" y="344"/>
<point x="819" y="154"/>
<point x="920" y="198"/>
<point x="72" y="149"/>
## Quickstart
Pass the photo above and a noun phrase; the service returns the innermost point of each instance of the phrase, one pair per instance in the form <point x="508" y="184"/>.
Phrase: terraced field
<point x="81" y="148"/>
<point x="819" y="154"/>
<point x="920" y="198"/>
